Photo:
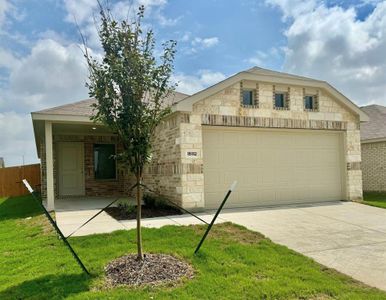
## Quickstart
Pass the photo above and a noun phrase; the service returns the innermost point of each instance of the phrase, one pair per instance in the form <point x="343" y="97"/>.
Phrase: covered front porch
<point x="77" y="166"/>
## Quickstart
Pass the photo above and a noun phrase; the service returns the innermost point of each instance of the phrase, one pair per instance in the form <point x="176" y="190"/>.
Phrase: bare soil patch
<point x="230" y="232"/>
<point x="155" y="269"/>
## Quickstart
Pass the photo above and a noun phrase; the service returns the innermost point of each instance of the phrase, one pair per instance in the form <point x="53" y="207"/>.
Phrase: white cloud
<point x="16" y="138"/>
<point x="205" y="42"/>
<point x="9" y="12"/>
<point x="294" y="8"/>
<point x="85" y="13"/>
<point x="5" y="7"/>
<point x="191" y="84"/>
<point x="51" y="74"/>
<point x="196" y="44"/>
<point x="80" y="11"/>
<point x="265" y="58"/>
<point x="54" y="71"/>
<point x="332" y="44"/>
<point x="7" y="59"/>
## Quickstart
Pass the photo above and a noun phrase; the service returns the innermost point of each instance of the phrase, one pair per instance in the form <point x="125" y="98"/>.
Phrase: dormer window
<point x="248" y="97"/>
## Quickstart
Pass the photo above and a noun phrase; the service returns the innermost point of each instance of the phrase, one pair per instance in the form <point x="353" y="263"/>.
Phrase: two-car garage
<point x="272" y="166"/>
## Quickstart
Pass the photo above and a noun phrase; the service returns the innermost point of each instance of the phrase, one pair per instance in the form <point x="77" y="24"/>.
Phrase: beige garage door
<point x="272" y="167"/>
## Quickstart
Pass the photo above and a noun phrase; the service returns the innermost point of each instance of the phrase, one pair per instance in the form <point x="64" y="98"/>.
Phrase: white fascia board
<point x="61" y="118"/>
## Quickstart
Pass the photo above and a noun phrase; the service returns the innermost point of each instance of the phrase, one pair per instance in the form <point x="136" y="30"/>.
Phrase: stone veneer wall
<point x="374" y="166"/>
<point x="331" y="115"/>
<point x="175" y="169"/>
<point x="116" y="187"/>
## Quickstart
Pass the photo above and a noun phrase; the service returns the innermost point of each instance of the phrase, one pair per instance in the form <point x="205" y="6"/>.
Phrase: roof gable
<point x="269" y="76"/>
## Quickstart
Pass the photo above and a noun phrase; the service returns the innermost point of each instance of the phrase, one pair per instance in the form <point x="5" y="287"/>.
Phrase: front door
<point x="70" y="168"/>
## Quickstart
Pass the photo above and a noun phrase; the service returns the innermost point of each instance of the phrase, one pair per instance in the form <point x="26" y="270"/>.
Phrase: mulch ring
<point x="155" y="269"/>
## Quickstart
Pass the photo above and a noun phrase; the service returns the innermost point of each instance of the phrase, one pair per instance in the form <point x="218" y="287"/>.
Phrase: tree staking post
<point x="53" y="223"/>
<point x="231" y="189"/>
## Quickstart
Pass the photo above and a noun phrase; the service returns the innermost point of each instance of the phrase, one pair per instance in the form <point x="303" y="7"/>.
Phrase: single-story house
<point x="286" y="139"/>
<point x="373" y="139"/>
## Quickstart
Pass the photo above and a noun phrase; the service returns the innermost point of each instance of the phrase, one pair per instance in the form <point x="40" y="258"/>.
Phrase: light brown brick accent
<point x="244" y="121"/>
<point x="374" y="166"/>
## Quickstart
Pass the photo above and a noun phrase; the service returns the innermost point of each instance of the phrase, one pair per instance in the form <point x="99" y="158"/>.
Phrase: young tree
<point x="130" y="86"/>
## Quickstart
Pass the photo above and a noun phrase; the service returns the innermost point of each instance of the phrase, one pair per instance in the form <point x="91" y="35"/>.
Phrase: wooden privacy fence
<point x="10" y="179"/>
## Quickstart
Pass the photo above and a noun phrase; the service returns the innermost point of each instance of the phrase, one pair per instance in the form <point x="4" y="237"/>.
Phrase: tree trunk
<point x="139" y="208"/>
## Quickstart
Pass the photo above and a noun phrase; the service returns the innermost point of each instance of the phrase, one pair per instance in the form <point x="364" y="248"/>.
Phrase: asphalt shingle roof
<point x="84" y="108"/>
<point x="376" y="127"/>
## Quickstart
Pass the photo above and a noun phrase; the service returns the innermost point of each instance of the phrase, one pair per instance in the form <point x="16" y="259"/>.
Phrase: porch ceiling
<point x="79" y="129"/>
<point x="67" y="128"/>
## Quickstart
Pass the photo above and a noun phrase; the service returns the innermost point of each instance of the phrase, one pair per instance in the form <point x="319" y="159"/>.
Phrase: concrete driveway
<point x="346" y="236"/>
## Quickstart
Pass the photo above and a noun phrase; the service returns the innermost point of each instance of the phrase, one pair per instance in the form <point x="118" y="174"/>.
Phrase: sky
<point x="42" y="65"/>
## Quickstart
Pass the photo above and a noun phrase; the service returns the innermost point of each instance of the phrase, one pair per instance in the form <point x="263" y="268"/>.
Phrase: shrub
<point x="149" y="200"/>
<point x="155" y="201"/>
<point x="126" y="206"/>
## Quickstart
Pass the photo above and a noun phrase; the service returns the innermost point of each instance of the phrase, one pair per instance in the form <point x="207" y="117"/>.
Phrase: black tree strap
<point x="97" y="214"/>
<point x="53" y="223"/>
<point x="174" y="204"/>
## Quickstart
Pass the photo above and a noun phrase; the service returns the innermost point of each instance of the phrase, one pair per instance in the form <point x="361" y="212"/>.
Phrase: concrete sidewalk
<point x="346" y="236"/>
<point x="68" y="221"/>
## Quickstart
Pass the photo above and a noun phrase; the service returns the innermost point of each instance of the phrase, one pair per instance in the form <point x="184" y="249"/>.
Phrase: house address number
<point x="192" y="153"/>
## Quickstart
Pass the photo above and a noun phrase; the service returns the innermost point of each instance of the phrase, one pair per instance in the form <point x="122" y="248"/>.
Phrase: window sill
<point x="281" y="108"/>
<point x="311" y="110"/>
<point x="249" y="106"/>
<point x="106" y="180"/>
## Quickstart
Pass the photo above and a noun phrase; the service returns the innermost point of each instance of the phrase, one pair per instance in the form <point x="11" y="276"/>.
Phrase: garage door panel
<point x="230" y="139"/>
<point x="271" y="167"/>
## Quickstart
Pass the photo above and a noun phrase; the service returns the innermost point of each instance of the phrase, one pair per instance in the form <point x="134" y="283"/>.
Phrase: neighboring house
<point x="286" y="139"/>
<point x="373" y="139"/>
<point x="2" y="165"/>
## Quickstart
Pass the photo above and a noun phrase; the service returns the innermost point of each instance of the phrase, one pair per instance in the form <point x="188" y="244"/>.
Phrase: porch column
<point x="49" y="167"/>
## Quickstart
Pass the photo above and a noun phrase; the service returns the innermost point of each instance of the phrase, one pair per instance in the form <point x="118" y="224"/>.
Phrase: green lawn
<point x="234" y="263"/>
<point x="374" y="199"/>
